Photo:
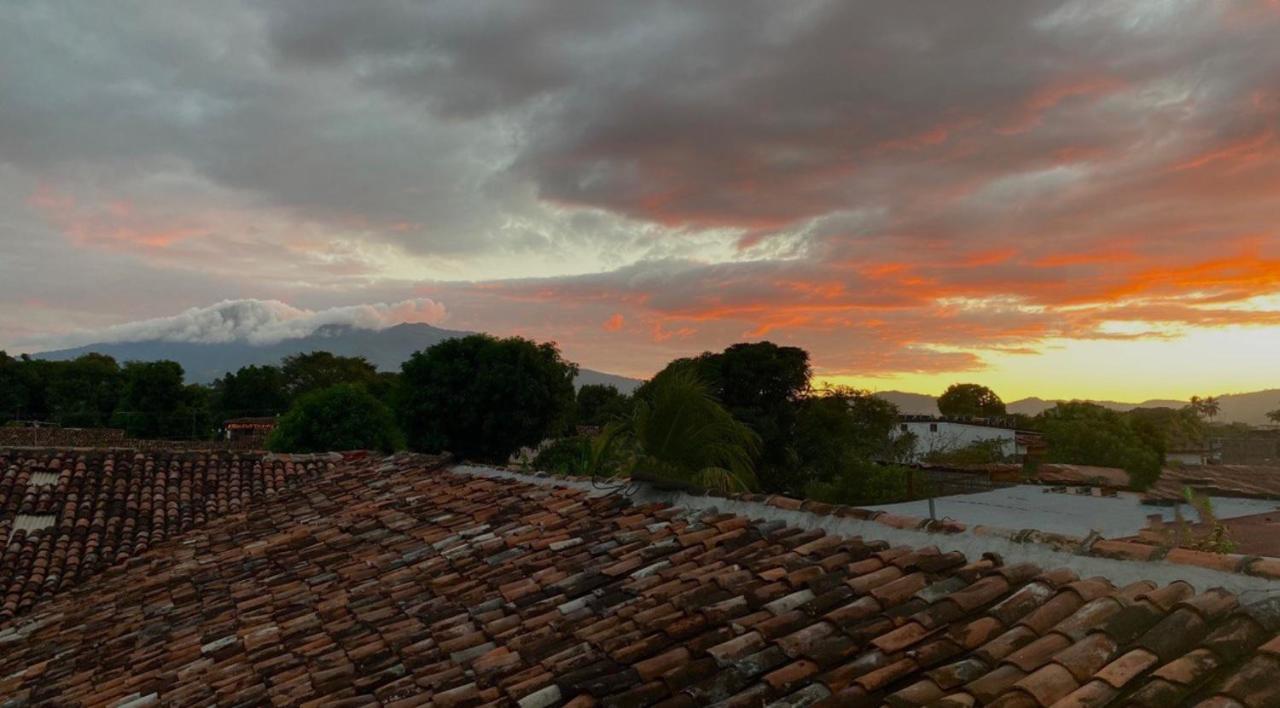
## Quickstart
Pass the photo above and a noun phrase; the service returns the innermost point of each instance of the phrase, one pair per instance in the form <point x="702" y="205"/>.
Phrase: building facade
<point x="937" y="435"/>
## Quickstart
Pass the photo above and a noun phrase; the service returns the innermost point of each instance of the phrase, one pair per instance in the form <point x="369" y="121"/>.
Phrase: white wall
<point x="945" y="436"/>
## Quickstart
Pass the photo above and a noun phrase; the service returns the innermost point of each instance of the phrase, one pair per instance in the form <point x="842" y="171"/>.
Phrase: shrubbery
<point x="571" y="456"/>
<point x="483" y="398"/>
<point x="864" y="482"/>
<point x="342" y="417"/>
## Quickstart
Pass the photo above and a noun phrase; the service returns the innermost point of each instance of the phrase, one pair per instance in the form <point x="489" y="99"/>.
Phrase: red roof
<point x="385" y="581"/>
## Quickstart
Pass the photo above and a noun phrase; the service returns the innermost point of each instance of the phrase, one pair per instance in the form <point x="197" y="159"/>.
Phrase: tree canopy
<point x="1167" y="429"/>
<point x="342" y="417"/>
<point x="1089" y="434"/>
<point x="600" y="404"/>
<point x="838" y="428"/>
<point x="761" y="384"/>
<point x="252" y="391"/>
<point x="304" y="373"/>
<point x="1208" y="407"/>
<point x="483" y="398"/>
<point x="678" y="431"/>
<point x="155" y="402"/>
<point x="968" y="400"/>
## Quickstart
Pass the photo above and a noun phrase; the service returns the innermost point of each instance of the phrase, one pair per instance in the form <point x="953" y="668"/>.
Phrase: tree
<point x="84" y="391"/>
<point x="1274" y="416"/>
<point x="970" y="401"/>
<point x="761" y="384"/>
<point x="838" y="429"/>
<point x="252" y="391"/>
<point x="484" y="398"/>
<point x="1208" y="407"/>
<point x="342" y="417"/>
<point x="1165" y="429"/>
<point x="600" y="404"/>
<point x="154" y="401"/>
<point x="864" y="482"/>
<point x="304" y="373"/>
<point x="13" y="388"/>
<point x="679" y="432"/>
<point x="1088" y="434"/>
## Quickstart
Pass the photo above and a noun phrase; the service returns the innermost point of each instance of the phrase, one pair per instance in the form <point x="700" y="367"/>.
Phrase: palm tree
<point x="1211" y="407"/>
<point x="1207" y="407"/>
<point x="680" y="432"/>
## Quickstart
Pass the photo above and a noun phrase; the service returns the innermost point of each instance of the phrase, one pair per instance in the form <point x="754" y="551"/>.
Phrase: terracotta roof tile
<point x="363" y="581"/>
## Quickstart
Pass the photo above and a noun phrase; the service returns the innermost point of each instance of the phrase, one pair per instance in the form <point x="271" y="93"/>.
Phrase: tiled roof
<point x="391" y="582"/>
<point x="67" y="515"/>
<point x="1256" y="481"/>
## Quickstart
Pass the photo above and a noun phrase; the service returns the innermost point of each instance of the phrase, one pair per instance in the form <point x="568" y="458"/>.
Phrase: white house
<point x="935" y="434"/>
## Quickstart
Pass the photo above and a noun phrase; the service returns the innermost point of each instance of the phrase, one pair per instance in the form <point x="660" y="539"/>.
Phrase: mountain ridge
<point x="385" y="348"/>
<point x="1249" y="407"/>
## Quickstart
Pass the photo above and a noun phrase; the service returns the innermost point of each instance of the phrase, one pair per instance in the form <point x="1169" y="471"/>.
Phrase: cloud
<point x="257" y="322"/>
<point x="898" y="187"/>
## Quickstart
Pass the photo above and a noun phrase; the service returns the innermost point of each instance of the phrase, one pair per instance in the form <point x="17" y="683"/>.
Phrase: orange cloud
<point x="614" y="323"/>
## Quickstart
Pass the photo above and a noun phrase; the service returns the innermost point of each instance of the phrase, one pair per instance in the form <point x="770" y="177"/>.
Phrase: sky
<point x="1064" y="199"/>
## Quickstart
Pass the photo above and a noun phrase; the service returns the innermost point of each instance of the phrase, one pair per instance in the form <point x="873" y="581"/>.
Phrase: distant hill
<point x="1250" y="408"/>
<point x="911" y="403"/>
<point x="385" y="348"/>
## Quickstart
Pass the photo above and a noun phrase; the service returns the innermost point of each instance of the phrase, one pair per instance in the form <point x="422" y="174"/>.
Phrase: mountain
<point x="1250" y="408"/>
<point x="1034" y="406"/>
<point x="384" y="348"/>
<point x="911" y="403"/>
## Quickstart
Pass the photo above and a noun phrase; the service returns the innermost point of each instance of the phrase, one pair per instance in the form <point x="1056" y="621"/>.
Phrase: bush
<point x="980" y="452"/>
<point x="342" y="417"/>
<point x="483" y="398"/>
<point x="570" y="456"/>
<point x="1088" y="434"/>
<point x="599" y="405"/>
<point x="862" y="483"/>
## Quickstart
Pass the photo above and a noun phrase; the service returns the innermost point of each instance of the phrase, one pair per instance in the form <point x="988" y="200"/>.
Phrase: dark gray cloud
<point x="700" y="170"/>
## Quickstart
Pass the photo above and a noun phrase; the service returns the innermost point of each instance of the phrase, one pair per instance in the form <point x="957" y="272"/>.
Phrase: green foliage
<point x="342" y="417"/>
<point x="1165" y="429"/>
<point x="980" y="452"/>
<point x="838" y="428"/>
<point x="863" y="482"/>
<point x="600" y="404"/>
<point x="151" y="399"/>
<point x="251" y="391"/>
<point x="155" y="402"/>
<point x="971" y="401"/>
<point x="304" y="373"/>
<point x="761" y="384"/>
<point x="1089" y="434"/>
<point x="1216" y="538"/>
<point x="82" y="392"/>
<point x="1208" y="407"/>
<point x="679" y="432"/>
<point x="570" y="456"/>
<point x="13" y="387"/>
<point x="484" y="398"/>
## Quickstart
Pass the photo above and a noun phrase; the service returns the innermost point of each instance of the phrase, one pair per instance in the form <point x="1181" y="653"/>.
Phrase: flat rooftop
<point x="1032" y="506"/>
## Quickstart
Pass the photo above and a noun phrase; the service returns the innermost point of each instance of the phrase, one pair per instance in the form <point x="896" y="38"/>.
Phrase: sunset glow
<point x="1079" y="200"/>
